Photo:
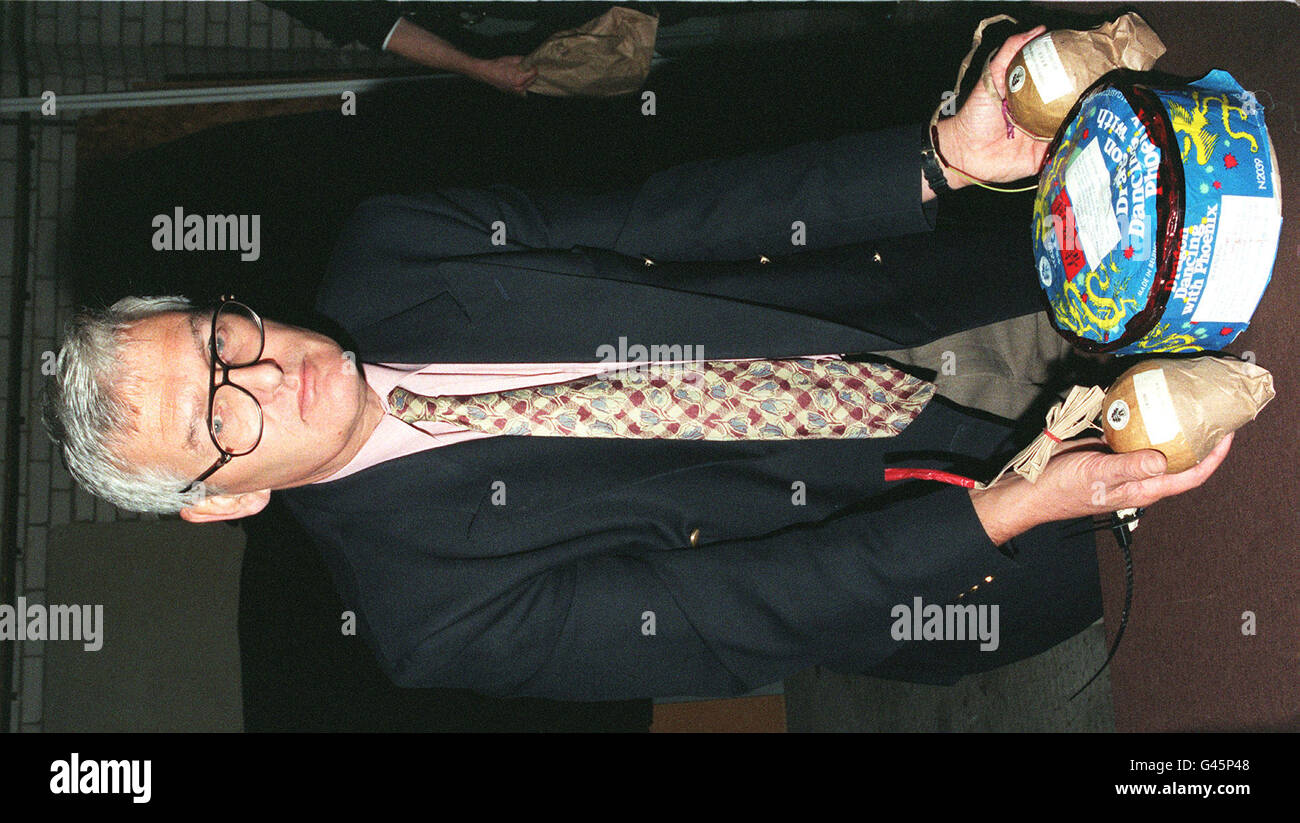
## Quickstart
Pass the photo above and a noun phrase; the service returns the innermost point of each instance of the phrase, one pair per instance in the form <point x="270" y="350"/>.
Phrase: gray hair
<point x="89" y="419"/>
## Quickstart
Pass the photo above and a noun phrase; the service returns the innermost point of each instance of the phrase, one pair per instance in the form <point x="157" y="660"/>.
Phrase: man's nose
<point x="262" y="379"/>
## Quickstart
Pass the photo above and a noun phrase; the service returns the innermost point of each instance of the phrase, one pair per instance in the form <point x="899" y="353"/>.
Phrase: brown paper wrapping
<point x="1207" y="398"/>
<point x="1128" y="42"/>
<point x="605" y="57"/>
<point x="1203" y="399"/>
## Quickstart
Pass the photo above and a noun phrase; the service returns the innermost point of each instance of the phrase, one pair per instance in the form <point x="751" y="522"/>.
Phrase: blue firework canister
<point x="1157" y="216"/>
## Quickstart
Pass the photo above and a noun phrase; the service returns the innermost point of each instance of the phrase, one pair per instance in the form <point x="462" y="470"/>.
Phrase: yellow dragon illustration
<point x="1192" y="125"/>
<point x="1162" y="339"/>
<point x="1104" y="313"/>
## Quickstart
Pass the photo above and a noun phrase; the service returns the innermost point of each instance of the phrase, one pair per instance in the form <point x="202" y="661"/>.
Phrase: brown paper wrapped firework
<point x="1047" y="76"/>
<point x="604" y="57"/>
<point x="1183" y="408"/>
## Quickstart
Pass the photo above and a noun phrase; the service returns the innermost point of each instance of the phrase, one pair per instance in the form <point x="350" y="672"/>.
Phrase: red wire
<point x="929" y="474"/>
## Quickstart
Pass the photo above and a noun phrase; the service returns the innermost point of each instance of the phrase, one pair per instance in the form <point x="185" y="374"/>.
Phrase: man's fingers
<point x="1014" y="43"/>
<point x="1142" y="464"/>
<point x="1199" y="473"/>
<point x="1157" y="488"/>
<point x="1202" y="471"/>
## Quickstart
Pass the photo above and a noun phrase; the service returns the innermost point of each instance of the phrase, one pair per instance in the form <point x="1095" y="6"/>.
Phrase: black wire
<point x="1123" y="536"/>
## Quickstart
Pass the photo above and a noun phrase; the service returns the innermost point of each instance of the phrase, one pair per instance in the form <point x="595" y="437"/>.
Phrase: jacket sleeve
<point x="815" y="195"/>
<point x="719" y="619"/>
<point x="360" y="21"/>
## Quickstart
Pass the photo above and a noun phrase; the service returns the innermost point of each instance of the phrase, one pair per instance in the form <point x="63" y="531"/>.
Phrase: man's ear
<point x="226" y="507"/>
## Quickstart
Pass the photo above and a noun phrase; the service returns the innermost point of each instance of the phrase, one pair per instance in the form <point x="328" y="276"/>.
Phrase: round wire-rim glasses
<point x="216" y="360"/>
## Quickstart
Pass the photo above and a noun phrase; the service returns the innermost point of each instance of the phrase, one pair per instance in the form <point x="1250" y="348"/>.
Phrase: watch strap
<point x="933" y="171"/>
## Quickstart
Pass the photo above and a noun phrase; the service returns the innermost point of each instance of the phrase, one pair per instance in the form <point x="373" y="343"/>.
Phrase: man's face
<point x="317" y="410"/>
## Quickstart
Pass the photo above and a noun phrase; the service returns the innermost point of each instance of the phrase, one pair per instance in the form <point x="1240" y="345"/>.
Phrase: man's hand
<point x="975" y="140"/>
<point x="1085" y="481"/>
<point x="428" y="49"/>
<point x="505" y="74"/>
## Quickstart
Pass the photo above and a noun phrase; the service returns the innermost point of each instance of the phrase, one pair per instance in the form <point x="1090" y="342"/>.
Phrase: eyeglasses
<point x="234" y="415"/>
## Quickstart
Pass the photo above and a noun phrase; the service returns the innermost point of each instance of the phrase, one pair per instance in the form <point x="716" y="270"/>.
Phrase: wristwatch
<point x="933" y="171"/>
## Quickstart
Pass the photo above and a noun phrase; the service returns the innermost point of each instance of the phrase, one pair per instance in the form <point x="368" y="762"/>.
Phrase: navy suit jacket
<point x="601" y="569"/>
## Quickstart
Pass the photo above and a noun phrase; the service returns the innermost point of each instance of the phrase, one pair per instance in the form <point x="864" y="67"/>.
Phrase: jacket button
<point x="876" y="257"/>
<point x="648" y="262"/>
<point x="695" y="538"/>
<point x="764" y="259"/>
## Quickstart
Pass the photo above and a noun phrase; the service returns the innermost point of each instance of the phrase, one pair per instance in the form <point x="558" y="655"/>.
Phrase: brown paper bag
<point x="1047" y="76"/>
<point x="605" y="57"/>
<point x="1183" y="408"/>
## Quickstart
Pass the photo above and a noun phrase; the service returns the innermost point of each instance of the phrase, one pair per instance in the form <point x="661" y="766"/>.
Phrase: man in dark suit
<point x="596" y="568"/>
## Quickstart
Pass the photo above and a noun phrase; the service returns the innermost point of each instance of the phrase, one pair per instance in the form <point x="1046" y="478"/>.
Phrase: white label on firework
<point x="1045" y="66"/>
<point x="1016" y="80"/>
<point x="1156" y="406"/>
<point x="1088" y="184"/>
<point x="1118" y="414"/>
<point x="1244" y="235"/>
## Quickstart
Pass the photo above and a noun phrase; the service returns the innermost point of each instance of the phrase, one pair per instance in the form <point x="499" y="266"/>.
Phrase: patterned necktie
<point x="704" y="400"/>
